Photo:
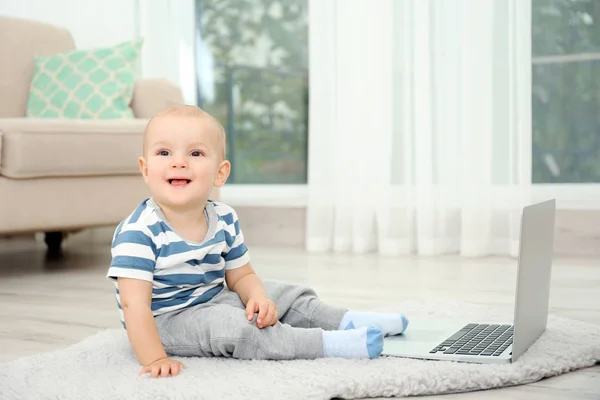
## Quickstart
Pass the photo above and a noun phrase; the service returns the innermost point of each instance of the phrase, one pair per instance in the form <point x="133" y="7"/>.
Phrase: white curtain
<point x="420" y="126"/>
<point x="169" y="31"/>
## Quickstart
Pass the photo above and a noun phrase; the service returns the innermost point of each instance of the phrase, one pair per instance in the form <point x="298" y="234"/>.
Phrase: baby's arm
<point x="245" y="282"/>
<point x="136" y="299"/>
<point x="248" y="286"/>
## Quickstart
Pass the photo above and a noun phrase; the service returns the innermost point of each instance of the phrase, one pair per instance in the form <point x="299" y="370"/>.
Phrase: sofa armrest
<point x="153" y="95"/>
<point x="53" y="147"/>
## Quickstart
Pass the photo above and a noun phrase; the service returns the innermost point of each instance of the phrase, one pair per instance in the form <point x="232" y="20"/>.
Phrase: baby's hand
<point x="164" y="366"/>
<point x="266" y="308"/>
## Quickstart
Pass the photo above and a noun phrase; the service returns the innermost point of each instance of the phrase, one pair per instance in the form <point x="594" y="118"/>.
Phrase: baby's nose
<point x="178" y="163"/>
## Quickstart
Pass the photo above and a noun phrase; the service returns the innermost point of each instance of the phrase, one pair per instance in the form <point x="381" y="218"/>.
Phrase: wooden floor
<point x="50" y="304"/>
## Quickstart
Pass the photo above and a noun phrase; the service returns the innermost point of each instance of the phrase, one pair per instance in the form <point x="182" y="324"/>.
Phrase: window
<point x="252" y="66"/>
<point x="566" y="91"/>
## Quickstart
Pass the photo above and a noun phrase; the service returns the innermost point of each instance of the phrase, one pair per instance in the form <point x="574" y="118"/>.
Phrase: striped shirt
<point x="183" y="273"/>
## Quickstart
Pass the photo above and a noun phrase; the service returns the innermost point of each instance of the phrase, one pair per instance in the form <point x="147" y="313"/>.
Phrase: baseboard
<point x="577" y="231"/>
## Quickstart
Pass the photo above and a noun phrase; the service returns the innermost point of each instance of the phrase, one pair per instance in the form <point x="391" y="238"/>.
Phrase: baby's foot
<point x="366" y="342"/>
<point x="389" y="324"/>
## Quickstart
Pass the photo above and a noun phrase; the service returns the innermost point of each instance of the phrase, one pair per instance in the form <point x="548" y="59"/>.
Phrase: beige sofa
<point x="63" y="175"/>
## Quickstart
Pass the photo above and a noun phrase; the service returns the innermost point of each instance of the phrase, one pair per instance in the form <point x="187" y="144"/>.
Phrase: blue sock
<point x="365" y="342"/>
<point x="389" y="324"/>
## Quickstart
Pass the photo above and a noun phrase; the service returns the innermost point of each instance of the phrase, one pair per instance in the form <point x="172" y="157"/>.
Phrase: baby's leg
<point x="220" y="330"/>
<point x="297" y="306"/>
<point x="300" y="306"/>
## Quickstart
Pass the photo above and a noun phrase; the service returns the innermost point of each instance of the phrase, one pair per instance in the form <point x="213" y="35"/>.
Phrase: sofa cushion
<point x="85" y="84"/>
<point x="37" y="147"/>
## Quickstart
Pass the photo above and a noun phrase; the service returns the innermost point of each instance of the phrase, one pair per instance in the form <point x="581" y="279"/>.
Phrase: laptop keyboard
<point x="478" y="340"/>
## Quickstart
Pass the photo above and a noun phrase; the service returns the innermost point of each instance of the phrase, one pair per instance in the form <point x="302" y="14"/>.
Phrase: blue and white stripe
<point x="183" y="273"/>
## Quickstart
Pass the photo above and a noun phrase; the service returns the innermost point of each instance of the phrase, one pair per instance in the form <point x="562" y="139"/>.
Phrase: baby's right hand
<point x="163" y="367"/>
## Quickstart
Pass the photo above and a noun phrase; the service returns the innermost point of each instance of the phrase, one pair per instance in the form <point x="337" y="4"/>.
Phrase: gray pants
<point x="220" y="328"/>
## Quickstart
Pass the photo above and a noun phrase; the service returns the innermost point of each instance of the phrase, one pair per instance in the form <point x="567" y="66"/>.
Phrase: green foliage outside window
<point x="566" y="95"/>
<point x="260" y="51"/>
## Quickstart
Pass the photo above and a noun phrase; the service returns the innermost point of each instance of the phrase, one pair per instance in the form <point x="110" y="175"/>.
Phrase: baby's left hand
<point x="266" y="308"/>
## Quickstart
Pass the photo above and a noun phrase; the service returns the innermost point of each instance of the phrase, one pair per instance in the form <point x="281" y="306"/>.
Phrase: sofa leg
<point x="53" y="241"/>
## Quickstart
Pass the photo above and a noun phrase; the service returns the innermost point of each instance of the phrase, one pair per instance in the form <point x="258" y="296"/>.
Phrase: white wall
<point x="167" y="27"/>
<point x="92" y="23"/>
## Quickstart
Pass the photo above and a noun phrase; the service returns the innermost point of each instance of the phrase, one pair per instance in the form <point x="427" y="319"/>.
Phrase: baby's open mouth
<point x="179" y="182"/>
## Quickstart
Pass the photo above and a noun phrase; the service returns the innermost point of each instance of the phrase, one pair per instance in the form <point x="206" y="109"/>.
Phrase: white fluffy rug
<point x="103" y="367"/>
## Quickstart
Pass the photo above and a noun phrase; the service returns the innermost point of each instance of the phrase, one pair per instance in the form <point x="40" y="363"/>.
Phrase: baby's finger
<point x="250" y="309"/>
<point x="271" y="317"/>
<point x="164" y="370"/>
<point x="145" y="370"/>
<point x="155" y="371"/>
<point x="174" y="369"/>
<point x="262" y="313"/>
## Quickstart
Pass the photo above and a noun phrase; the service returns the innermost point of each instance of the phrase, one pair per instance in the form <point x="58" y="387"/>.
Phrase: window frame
<point x="569" y="196"/>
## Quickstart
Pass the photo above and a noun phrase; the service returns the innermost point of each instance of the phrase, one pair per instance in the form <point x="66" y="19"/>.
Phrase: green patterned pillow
<point x="88" y="84"/>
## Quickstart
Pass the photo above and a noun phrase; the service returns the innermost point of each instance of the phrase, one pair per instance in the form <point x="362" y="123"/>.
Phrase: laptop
<point x="486" y="342"/>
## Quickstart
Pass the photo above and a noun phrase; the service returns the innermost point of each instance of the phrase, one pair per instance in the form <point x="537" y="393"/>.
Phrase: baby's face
<point x="183" y="160"/>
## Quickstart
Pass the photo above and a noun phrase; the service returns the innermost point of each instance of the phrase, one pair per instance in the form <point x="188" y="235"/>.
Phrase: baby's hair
<point x="189" y="111"/>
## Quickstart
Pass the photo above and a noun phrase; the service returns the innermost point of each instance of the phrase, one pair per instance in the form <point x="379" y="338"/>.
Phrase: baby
<point x="184" y="282"/>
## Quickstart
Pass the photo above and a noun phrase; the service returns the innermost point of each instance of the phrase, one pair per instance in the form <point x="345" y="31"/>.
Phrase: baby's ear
<point x="143" y="168"/>
<point x="222" y="173"/>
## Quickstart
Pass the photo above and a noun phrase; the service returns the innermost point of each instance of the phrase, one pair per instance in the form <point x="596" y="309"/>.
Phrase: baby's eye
<point x="163" y="153"/>
<point x="196" y="153"/>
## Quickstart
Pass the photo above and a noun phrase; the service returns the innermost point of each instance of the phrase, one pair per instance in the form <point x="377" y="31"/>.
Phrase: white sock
<point x="389" y="324"/>
<point x="366" y="342"/>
